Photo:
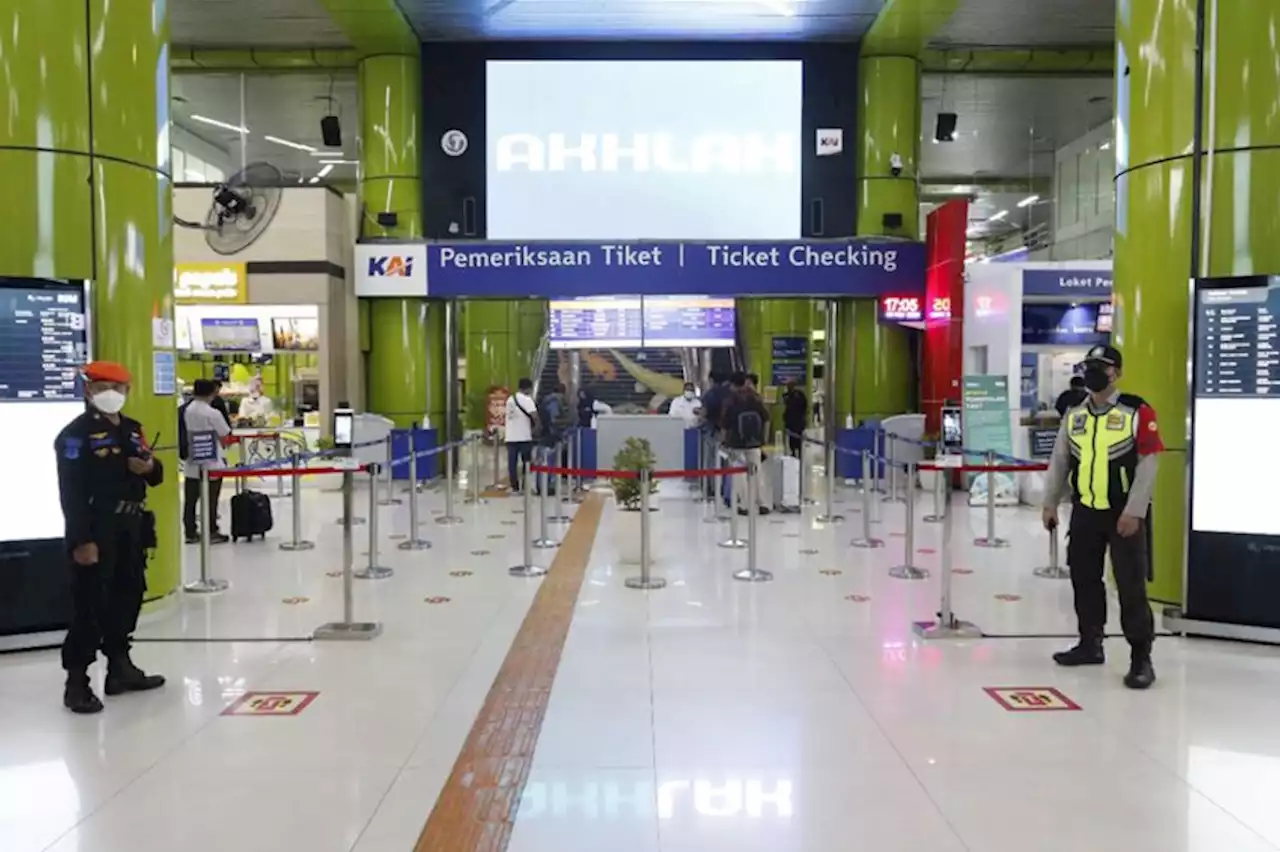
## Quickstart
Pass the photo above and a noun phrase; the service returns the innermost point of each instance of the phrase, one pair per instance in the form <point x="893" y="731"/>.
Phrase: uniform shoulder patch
<point x="71" y="447"/>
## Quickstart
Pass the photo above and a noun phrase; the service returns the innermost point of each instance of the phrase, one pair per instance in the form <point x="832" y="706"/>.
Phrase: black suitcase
<point x="250" y="515"/>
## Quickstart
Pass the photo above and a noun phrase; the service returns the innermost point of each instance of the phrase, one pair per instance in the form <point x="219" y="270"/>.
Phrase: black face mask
<point x="1096" y="379"/>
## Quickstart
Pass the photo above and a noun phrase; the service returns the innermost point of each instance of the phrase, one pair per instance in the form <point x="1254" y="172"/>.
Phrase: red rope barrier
<point x="268" y="472"/>
<point x="981" y="468"/>
<point x="635" y="474"/>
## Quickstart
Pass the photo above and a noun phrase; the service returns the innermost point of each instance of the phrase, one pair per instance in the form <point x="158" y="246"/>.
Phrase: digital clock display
<point x="901" y="309"/>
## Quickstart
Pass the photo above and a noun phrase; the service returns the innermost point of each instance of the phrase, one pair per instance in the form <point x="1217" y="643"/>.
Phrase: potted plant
<point x="635" y="454"/>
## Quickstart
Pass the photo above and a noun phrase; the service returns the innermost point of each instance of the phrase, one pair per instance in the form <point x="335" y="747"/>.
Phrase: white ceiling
<point x="1029" y="23"/>
<point x="284" y="106"/>
<point x="253" y="23"/>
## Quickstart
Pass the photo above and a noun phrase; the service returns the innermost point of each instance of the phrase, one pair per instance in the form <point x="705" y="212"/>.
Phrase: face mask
<point x="1096" y="379"/>
<point x="108" y="401"/>
<point x="688" y="394"/>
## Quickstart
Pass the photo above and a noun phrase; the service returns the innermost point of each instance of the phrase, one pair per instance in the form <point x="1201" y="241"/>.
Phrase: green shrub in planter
<point x="635" y="454"/>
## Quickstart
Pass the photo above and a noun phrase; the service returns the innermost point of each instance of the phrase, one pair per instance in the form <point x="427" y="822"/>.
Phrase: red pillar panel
<point x="943" y="352"/>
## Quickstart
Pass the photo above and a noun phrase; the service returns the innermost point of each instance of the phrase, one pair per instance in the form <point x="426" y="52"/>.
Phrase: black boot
<point x="123" y="676"/>
<point x="1141" y="675"/>
<point x="78" y="695"/>
<point x="1087" y="652"/>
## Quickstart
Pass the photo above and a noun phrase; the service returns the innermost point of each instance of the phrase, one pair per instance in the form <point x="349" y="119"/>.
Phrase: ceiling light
<point x="298" y="145"/>
<point x="192" y="174"/>
<point x="339" y="163"/>
<point x="785" y="9"/>
<point x="1105" y="146"/>
<point x="1028" y="201"/>
<point x="315" y="179"/>
<point x="997" y="217"/>
<point x="325" y="170"/>
<point x="205" y="119"/>
<point x="330" y="152"/>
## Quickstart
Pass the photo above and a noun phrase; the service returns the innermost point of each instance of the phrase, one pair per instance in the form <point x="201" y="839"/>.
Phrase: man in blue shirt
<point x="712" y="409"/>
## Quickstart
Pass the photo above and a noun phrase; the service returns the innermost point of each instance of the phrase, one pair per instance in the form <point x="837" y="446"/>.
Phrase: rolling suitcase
<point x="784" y="480"/>
<point x="250" y="515"/>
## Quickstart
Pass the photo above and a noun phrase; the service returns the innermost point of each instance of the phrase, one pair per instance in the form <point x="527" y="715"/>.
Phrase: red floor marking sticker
<point x="857" y="598"/>
<point x="333" y="573"/>
<point x="507" y="523"/>
<point x="270" y="704"/>
<point x="479" y="553"/>
<point x="497" y="535"/>
<point x="926" y="550"/>
<point x="961" y="570"/>
<point x="1024" y="699"/>
<point x="897" y="535"/>
<point x="1008" y="598"/>
<point x="296" y="599"/>
<point x="436" y="599"/>
<point x="831" y="572"/>
<point x="460" y="573"/>
<point x="808" y="551"/>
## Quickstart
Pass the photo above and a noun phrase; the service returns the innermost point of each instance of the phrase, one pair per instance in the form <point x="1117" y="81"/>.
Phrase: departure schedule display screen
<point x="689" y="321"/>
<point x="597" y="322"/>
<point x="43" y="343"/>
<point x="1236" y="419"/>
<point x="632" y="322"/>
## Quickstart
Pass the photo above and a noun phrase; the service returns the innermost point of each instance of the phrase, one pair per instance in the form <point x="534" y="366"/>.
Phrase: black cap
<point x="1108" y="355"/>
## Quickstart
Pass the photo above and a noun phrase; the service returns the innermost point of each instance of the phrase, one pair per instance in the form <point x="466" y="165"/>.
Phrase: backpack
<point x="184" y="441"/>
<point x="749" y="427"/>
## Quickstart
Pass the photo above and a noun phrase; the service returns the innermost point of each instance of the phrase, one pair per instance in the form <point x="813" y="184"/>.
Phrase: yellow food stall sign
<point x="210" y="284"/>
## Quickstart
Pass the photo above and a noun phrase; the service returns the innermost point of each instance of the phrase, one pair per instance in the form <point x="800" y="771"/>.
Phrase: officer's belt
<point x="129" y="507"/>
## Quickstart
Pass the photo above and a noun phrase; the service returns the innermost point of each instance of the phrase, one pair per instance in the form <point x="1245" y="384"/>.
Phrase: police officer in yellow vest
<point x="1106" y="454"/>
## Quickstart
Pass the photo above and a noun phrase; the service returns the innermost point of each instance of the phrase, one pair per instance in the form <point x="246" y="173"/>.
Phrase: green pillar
<point x="1155" y="131"/>
<point x="761" y="320"/>
<point x="874" y="378"/>
<point x="874" y="375"/>
<point x="84" y="152"/>
<point x="500" y="338"/>
<point x="406" y="361"/>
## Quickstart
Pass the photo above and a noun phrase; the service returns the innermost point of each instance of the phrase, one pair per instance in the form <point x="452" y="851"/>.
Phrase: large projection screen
<point x="628" y="150"/>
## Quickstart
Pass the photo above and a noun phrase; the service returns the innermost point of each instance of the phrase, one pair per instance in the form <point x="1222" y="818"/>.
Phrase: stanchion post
<point x="579" y="487"/>
<point x="280" y="460"/>
<point x="947" y="626"/>
<point x="206" y="584"/>
<point x="389" y="498"/>
<point x="1054" y="570"/>
<point x="348" y="628"/>
<point x="296" y="509"/>
<point x="560" y="517"/>
<point x="753" y="573"/>
<point x="646" y="580"/>
<point x="733" y="542"/>
<point x="497" y="460"/>
<point x="867" y="541"/>
<point x="908" y="570"/>
<point x="892" y="441"/>
<point x="526" y="568"/>
<point x="991" y="539"/>
<point x="374" y="571"/>
<point x="939" y="486"/>
<point x="448" y="518"/>
<point x="829" y="516"/>
<point x="413" y="542"/>
<point x="544" y="539"/>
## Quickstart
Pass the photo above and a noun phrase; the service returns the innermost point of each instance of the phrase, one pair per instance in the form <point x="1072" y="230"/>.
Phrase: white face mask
<point x="108" y="401"/>
<point x="688" y="394"/>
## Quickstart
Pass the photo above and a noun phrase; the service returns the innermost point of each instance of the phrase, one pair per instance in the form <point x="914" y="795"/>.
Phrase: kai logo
<point x="390" y="266"/>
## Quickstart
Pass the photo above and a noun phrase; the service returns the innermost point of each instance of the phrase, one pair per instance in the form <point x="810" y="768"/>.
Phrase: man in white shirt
<point x="686" y="407"/>
<point x="522" y="425"/>
<point x="199" y="417"/>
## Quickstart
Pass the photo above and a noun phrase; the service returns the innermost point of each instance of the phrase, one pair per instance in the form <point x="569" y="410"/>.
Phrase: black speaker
<point x="891" y="221"/>
<point x="945" y="130"/>
<point x="387" y="219"/>
<point x="331" y="131"/>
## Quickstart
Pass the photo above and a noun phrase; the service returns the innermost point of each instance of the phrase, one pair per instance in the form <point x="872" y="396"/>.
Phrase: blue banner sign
<point x="1066" y="282"/>
<point x="783" y="371"/>
<point x="1065" y="325"/>
<point x="799" y="268"/>
<point x="790" y="348"/>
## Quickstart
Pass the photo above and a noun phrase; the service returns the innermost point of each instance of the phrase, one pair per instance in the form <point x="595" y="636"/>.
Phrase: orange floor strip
<point x="477" y="809"/>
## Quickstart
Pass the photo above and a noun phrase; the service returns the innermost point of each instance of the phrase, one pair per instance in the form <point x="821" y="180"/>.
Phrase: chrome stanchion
<point x="733" y="542"/>
<point x="413" y="542"/>
<point x="348" y="628"/>
<point x="389" y="499"/>
<point x="892" y="463"/>
<point x="882" y="472"/>
<point x="646" y="580"/>
<point x="867" y="540"/>
<point x="725" y="489"/>
<point x="829" y="516"/>
<point x="579" y="487"/>
<point x="280" y="492"/>
<point x="560" y="482"/>
<point x="373" y="571"/>
<point x="448" y="518"/>
<point x="296" y="509"/>
<point x="753" y="573"/>
<point x="947" y="626"/>
<point x="991" y="539"/>
<point x="805" y="498"/>
<point x="526" y="568"/>
<point x="544" y="539"/>
<point x="1053" y="571"/>
<point x="907" y="570"/>
<point x="939" y="488"/>
<point x="206" y="584"/>
<point x="497" y="460"/>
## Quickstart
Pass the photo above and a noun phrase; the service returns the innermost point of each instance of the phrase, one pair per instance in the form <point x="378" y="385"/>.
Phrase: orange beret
<point x="106" y="371"/>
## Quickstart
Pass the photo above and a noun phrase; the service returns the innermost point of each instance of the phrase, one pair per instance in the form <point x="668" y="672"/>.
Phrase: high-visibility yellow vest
<point x="1104" y="452"/>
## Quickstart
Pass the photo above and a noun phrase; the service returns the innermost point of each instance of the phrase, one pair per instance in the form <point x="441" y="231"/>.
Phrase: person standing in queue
<point x="105" y="466"/>
<point x="1106" y="452"/>
<point x="795" y="415"/>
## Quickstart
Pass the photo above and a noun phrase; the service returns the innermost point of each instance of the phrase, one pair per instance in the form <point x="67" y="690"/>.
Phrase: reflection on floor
<point x="800" y="714"/>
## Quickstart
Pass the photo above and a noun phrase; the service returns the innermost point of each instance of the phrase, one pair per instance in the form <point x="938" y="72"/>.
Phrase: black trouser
<point x="1090" y="535"/>
<point x="795" y="441"/>
<point x="518" y="452"/>
<point x="191" y="499"/>
<point x="106" y="598"/>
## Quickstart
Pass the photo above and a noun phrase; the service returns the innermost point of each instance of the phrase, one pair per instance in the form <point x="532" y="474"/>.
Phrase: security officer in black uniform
<point x="1106" y="453"/>
<point x="104" y="468"/>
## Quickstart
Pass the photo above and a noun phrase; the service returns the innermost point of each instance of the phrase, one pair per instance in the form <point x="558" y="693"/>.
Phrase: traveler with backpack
<point x="523" y="425"/>
<point x="746" y="424"/>
<point x="556" y="418"/>
<point x="199" y="415"/>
